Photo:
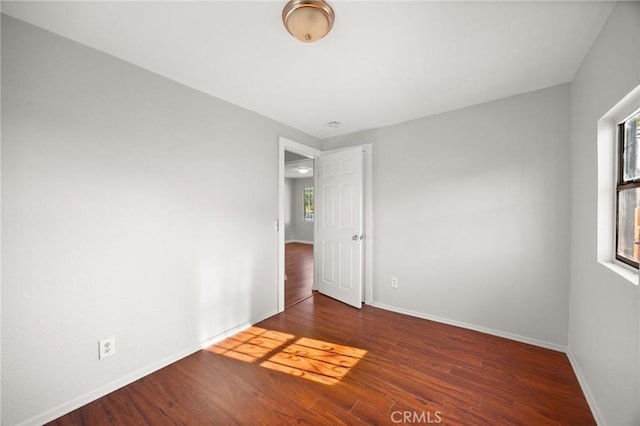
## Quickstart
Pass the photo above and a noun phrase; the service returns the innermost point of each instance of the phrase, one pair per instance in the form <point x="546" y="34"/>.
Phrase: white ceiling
<point x="293" y="162"/>
<point x="291" y="169"/>
<point x="383" y="62"/>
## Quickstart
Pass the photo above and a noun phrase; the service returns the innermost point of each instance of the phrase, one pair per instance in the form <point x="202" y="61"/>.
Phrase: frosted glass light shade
<point x="308" y="20"/>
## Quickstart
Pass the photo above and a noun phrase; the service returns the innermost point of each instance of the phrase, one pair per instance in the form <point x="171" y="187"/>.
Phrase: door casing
<point x="298" y="148"/>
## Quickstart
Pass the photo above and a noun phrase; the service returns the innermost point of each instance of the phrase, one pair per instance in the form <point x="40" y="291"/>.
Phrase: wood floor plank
<point x="299" y="270"/>
<point x="335" y="414"/>
<point x="372" y="367"/>
<point x="120" y="410"/>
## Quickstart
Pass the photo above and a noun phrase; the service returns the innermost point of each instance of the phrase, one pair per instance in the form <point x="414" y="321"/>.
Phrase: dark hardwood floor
<point x="323" y="362"/>
<point x="299" y="269"/>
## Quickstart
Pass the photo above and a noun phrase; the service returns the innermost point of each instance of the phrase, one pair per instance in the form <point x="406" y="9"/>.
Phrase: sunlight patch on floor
<point x="251" y="344"/>
<point x="315" y="360"/>
<point x="310" y="359"/>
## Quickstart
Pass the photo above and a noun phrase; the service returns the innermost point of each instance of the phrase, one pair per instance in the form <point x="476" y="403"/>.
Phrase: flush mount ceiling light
<point x="303" y="170"/>
<point x="308" y="20"/>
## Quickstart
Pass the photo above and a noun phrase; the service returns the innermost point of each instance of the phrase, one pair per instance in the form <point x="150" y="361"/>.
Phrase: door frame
<point x="298" y="148"/>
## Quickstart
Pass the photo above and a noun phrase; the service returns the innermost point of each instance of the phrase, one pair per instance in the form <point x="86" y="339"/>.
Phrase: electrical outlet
<point x="107" y="347"/>
<point x="394" y="282"/>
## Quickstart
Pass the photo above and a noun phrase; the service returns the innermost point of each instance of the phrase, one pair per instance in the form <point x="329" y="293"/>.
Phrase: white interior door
<point x="339" y="226"/>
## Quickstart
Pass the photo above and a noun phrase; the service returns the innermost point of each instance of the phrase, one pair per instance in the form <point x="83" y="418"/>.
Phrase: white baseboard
<point x="597" y="414"/>
<point x="486" y="330"/>
<point x="299" y="241"/>
<point x="85" y="399"/>
<point x="591" y="400"/>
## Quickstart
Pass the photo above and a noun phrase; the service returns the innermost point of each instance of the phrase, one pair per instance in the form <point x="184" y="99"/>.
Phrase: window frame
<point x="623" y="185"/>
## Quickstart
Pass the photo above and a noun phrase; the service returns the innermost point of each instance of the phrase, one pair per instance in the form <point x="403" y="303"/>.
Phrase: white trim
<point x="607" y="142"/>
<point x="91" y="396"/>
<point x="368" y="222"/>
<point x="298" y="148"/>
<point x="220" y="337"/>
<point x="606" y="206"/>
<point x="591" y="400"/>
<point x="299" y="241"/>
<point x="622" y="269"/>
<point x="88" y="397"/>
<point x="626" y="107"/>
<point x="486" y="330"/>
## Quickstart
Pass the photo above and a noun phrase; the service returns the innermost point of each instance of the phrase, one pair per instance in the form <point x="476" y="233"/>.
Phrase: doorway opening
<point x="295" y="271"/>
<point x="298" y="277"/>
<point x="299" y="215"/>
<point x="366" y="239"/>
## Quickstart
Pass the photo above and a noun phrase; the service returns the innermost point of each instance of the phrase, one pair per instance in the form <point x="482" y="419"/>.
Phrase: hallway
<point x="299" y="272"/>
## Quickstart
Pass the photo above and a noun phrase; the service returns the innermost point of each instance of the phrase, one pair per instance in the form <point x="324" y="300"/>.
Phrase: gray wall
<point x="303" y="230"/>
<point x="123" y="213"/>
<point x="119" y="189"/>
<point x="289" y="227"/>
<point x="471" y="213"/>
<point x="604" y="321"/>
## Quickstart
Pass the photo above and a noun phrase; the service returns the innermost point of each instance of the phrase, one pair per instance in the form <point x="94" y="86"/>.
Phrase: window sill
<point x="623" y="271"/>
